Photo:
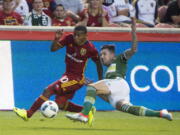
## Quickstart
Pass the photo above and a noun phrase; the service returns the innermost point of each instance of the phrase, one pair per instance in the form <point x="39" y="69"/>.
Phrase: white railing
<point x="90" y="29"/>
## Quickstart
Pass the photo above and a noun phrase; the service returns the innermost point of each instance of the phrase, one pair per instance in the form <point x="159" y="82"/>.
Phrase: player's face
<point x="80" y="37"/>
<point x="106" y="57"/>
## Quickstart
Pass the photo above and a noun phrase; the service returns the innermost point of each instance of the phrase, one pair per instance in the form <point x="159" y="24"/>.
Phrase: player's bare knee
<point x="61" y="106"/>
<point x="119" y="105"/>
<point x="101" y="89"/>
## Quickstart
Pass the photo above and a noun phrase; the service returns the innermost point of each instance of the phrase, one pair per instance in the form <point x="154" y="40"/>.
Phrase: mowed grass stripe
<point x="106" y="123"/>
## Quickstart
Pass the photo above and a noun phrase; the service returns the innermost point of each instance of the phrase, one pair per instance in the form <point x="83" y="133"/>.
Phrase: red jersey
<point x="94" y="21"/>
<point x="64" y="22"/>
<point x="10" y="19"/>
<point x="77" y="56"/>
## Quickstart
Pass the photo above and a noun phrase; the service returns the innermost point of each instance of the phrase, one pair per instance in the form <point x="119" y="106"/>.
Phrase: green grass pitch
<point x="106" y="123"/>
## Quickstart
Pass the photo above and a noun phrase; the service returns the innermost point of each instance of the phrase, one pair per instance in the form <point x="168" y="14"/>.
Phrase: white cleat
<point x="165" y="114"/>
<point x="77" y="117"/>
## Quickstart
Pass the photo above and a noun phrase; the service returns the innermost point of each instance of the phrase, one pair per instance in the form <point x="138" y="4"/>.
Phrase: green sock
<point x="152" y="113"/>
<point x="139" y="111"/>
<point x="89" y="100"/>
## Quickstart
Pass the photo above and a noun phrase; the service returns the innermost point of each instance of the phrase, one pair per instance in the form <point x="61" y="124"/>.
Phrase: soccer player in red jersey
<point x="8" y="16"/>
<point x="78" y="51"/>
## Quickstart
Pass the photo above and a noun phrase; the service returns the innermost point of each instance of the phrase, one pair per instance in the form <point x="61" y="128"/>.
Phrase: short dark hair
<point x="111" y="48"/>
<point x="34" y="0"/>
<point x="60" y="5"/>
<point x="81" y="28"/>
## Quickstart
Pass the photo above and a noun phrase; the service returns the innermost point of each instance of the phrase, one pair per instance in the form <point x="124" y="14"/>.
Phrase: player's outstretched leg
<point x="91" y="116"/>
<point x="65" y="105"/>
<point x="142" y="111"/>
<point x="87" y="114"/>
<point x="83" y="118"/>
<point x="26" y="114"/>
<point x="21" y="113"/>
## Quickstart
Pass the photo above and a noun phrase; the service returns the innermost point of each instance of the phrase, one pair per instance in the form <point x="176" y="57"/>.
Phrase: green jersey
<point x="117" y="68"/>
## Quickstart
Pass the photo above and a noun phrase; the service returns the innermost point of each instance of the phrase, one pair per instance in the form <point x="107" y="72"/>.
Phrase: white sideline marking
<point x="6" y="76"/>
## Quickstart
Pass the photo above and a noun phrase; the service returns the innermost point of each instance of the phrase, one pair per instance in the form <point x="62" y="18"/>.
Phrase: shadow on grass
<point x="75" y="129"/>
<point x="91" y="129"/>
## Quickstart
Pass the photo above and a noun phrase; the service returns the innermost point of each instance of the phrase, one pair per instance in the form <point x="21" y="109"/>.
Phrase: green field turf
<point x="106" y="123"/>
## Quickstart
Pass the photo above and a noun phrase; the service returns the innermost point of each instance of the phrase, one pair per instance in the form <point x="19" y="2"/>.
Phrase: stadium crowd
<point x="92" y="13"/>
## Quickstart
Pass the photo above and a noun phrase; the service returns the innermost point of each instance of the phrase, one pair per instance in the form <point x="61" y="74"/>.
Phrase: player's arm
<point x="56" y="44"/>
<point x="99" y="68"/>
<point x="130" y="52"/>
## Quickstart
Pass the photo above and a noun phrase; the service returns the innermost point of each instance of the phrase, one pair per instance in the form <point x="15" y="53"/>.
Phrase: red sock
<point x="36" y="105"/>
<point x="71" y="107"/>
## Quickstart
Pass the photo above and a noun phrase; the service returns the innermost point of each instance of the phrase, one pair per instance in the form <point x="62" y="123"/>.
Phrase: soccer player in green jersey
<point x="114" y="88"/>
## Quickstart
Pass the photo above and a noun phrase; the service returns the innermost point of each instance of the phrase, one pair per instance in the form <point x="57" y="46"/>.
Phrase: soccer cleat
<point x="165" y="114"/>
<point x="77" y="117"/>
<point x="91" y="116"/>
<point x="21" y="113"/>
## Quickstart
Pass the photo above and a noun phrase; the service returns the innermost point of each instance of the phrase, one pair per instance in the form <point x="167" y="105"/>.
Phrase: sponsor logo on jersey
<point x="10" y="21"/>
<point x="70" y="45"/>
<point x="111" y="68"/>
<point x="83" y="51"/>
<point x="73" y="58"/>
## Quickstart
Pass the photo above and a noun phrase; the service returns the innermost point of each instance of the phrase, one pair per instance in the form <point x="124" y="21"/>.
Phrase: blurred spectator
<point x="48" y="6"/>
<point x="163" y="2"/>
<point x="8" y="16"/>
<point x="173" y="13"/>
<point x="37" y="17"/>
<point x="63" y="17"/>
<point x="94" y="15"/>
<point x="75" y="6"/>
<point x="146" y="12"/>
<point x="1" y="5"/>
<point x="108" y="2"/>
<point x="118" y="11"/>
<point x="162" y="12"/>
<point x="22" y="8"/>
<point x="84" y="2"/>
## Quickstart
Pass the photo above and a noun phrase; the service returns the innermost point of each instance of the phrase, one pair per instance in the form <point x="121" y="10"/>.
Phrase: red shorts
<point x="65" y="87"/>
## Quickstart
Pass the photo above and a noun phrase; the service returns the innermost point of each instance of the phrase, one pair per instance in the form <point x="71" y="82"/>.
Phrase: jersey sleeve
<point x="122" y="58"/>
<point x="65" y="40"/>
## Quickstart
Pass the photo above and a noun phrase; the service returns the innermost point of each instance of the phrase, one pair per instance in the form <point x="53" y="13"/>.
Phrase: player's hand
<point x="87" y="81"/>
<point x="59" y="34"/>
